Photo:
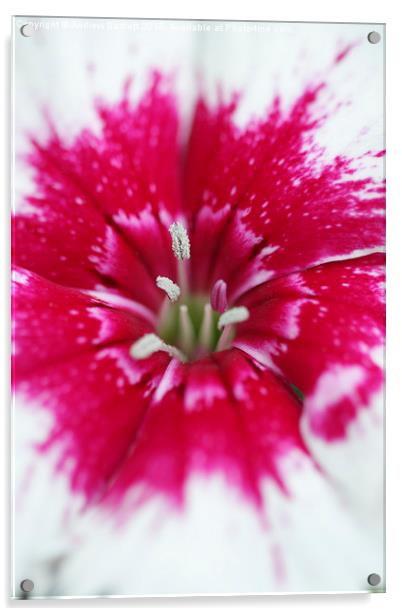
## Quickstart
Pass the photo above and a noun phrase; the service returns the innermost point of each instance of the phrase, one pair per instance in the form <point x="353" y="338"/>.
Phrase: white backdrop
<point x="341" y="10"/>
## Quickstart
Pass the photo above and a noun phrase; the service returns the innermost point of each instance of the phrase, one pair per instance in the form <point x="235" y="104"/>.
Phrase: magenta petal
<point x="229" y="418"/>
<point x="323" y="329"/>
<point x="54" y="323"/>
<point x="102" y="203"/>
<point x="96" y="419"/>
<point x="129" y="430"/>
<point x="267" y="201"/>
<point x="77" y="249"/>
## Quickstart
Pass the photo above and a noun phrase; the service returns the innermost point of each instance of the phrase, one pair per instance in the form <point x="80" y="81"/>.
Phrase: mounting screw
<point x="374" y="37"/>
<point x="374" y="579"/>
<point x="26" y="30"/>
<point x="27" y="585"/>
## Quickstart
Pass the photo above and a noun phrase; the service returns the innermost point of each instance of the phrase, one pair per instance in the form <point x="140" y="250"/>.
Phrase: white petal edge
<point x="310" y="542"/>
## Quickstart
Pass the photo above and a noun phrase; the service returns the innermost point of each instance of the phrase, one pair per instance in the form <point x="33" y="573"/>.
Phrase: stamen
<point x="219" y="300"/>
<point x="165" y="310"/>
<point x="180" y="241"/>
<point x="181" y="249"/>
<point x="149" y="344"/>
<point x="238" y="314"/>
<point x="205" y="338"/>
<point x="171" y="289"/>
<point x="226" y="338"/>
<point x="186" y="331"/>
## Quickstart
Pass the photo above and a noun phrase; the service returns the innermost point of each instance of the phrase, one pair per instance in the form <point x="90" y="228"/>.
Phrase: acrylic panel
<point x="198" y="307"/>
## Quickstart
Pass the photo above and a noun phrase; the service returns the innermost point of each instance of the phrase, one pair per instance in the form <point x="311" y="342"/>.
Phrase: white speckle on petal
<point x="19" y="277"/>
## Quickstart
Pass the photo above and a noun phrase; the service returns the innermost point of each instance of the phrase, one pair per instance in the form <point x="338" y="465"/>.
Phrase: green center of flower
<point x="189" y="326"/>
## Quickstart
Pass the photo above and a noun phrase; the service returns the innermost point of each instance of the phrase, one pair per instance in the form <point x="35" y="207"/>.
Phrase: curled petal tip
<point x="219" y="301"/>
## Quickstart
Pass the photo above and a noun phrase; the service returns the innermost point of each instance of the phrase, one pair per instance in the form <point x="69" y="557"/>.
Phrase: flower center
<point x="189" y="326"/>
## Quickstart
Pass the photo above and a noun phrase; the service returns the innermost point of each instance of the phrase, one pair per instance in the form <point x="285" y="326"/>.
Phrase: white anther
<point x="233" y="315"/>
<point x="149" y="344"/>
<point x="180" y="241"/>
<point x="171" y="289"/>
<point x="146" y="346"/>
